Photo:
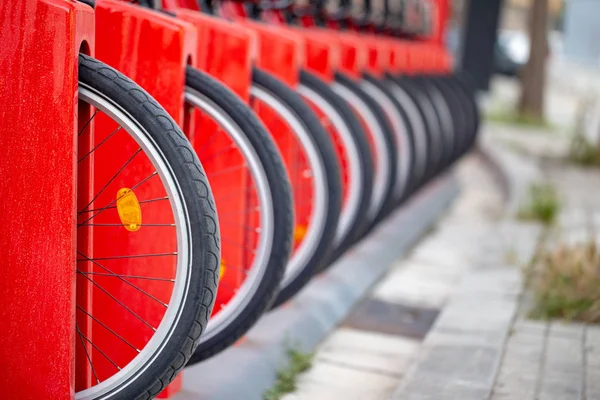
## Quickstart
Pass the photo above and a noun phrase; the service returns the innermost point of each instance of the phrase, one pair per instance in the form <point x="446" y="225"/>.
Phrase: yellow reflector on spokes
<point x="299" y="233"/>
<point x="129" y="209"/>
<point x="222" y="269"/>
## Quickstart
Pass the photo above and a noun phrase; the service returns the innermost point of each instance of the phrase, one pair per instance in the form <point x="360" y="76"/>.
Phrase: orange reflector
<point x="299" y="232"/>
<point x="222" y="269"/>
<point x="129" y="209"/>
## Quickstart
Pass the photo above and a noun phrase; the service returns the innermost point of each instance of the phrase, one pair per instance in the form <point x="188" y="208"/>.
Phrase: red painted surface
<point x="378" y="54"/>
<point x="353" y="53"/>
<point x="281" y="51"/>
<point x="151" y="48"/>
<point x="440" y="16"/>
<point x="322" y="56"/>
<point x="225" y="50"/>
<point x="38" y="105"/>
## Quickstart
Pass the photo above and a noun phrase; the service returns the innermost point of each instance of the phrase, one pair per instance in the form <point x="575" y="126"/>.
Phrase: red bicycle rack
<point x="38" y="97"/>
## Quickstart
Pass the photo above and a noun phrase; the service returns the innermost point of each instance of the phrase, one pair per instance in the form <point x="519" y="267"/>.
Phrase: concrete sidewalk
<point x="395" y="342"/>
<point x="469" y="337"/>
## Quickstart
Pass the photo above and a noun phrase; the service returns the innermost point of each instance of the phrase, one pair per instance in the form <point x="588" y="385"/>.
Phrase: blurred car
<point x="511" y="52"/>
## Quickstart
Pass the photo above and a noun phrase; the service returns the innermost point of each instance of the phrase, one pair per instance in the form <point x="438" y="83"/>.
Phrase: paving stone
<point x="391" y="318"/>
<point x="560" y="391"/>
<point x="592" y="380"/>
<point x="479" y="314"/>
<point x="528" y="327"/>
<point x="406" y="288"/>
<point x="329" y="381"/>
<point x="472" y="364"/>
<point x="568" y="330"/>
<point x="427" y="386"/>
<point x="494" y="281"/>
<point x="368" y="351"/>
<point x="592" y="346"/>
<point x="517" y="387"/>
<point x="564" y="354"/>
<point x="461" y="337"/>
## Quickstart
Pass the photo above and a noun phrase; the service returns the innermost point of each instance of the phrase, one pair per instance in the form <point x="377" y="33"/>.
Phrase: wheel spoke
<point x="149" y="278"/>
<point x="139" y="150"/>
<point x="140" y="202"/>
<point x="87" y="123"/>
<point x="101" y="143"/>
<point x="117" y="199"/>
<point x="120" y="278"/>
<point x="108" y="329"/>
<point x="118" y="301"/>
<point x="96" y="347"/>
<point x="87" y="355"/>
<point x="125" y="257"/>
<point x="80" y="225"/>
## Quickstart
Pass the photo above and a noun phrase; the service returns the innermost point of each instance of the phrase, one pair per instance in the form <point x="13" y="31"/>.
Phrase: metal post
<point x="479" y="39"/>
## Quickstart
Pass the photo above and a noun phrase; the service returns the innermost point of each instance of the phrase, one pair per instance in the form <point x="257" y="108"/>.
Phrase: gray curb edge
<point x="246" y="370"/>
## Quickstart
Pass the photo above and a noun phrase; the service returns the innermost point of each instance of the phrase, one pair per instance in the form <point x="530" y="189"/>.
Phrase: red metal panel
<point x="38" y="103"/>
<point x="353" y="53"/>
<point x="322" y="56"/>
<point x="281" y="51"/>
<point x="151" y="48"/>
<point x="440" y="16"/>
<point x="225" y="50"/>
<point x="378" y="54"/>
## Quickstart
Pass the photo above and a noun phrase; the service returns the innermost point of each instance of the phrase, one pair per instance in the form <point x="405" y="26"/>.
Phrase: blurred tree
<point x="531" y="104"/>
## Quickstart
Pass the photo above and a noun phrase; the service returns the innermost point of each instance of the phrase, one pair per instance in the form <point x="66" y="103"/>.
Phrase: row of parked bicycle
<point x="308" y="125"/>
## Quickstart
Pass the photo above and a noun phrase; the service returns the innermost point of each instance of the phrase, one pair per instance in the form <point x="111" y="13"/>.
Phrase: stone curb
<point x="246" y="370"/>
<point x="514" y="174"/>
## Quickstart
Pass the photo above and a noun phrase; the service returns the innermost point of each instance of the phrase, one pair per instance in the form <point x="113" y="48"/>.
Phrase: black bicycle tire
<point x="388" y="136"/>
<point x="433" y="125"/>
<point x="379" y="83"/>
<point x="322" y="143"/>
<point x="274" y="169"/>
<point x="201" y="212"/>
<point x="353" y="126"/>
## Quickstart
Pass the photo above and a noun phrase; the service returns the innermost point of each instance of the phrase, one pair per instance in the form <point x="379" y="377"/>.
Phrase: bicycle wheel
<point x="447" y="120"/>
<point x="459" y="111"/>
<point x="402" y="131"/>
<point x="147" y="241"/>
<point x="313" y="170"/>
<point x="381" y="142"/>
<point x="352" y="150"/>
<point x="419" y="127"/>
<point x="432" y="120"/>
<point x="252" y="195"/>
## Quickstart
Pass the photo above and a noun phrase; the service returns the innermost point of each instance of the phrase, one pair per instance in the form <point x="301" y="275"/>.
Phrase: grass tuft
<point x="513" y="118"/>
<point x="542" y="205"/>
<point x="298" y="362"/>
<point x="584" y="152"/>
<point x="566" y="283"/>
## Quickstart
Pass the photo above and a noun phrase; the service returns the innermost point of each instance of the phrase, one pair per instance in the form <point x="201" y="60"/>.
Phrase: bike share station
<point x="189" y="186"/>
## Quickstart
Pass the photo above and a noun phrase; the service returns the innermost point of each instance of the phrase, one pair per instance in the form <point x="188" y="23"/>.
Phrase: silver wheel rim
<point x="236" y="306"/>
<point x="350" y="208"/>
<point x="400" y="131"/>
<point x="159" y="340"/>
<point x="419" y="131"/>
<point x="316" y="225"/>
<point x="382" y="163"/>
